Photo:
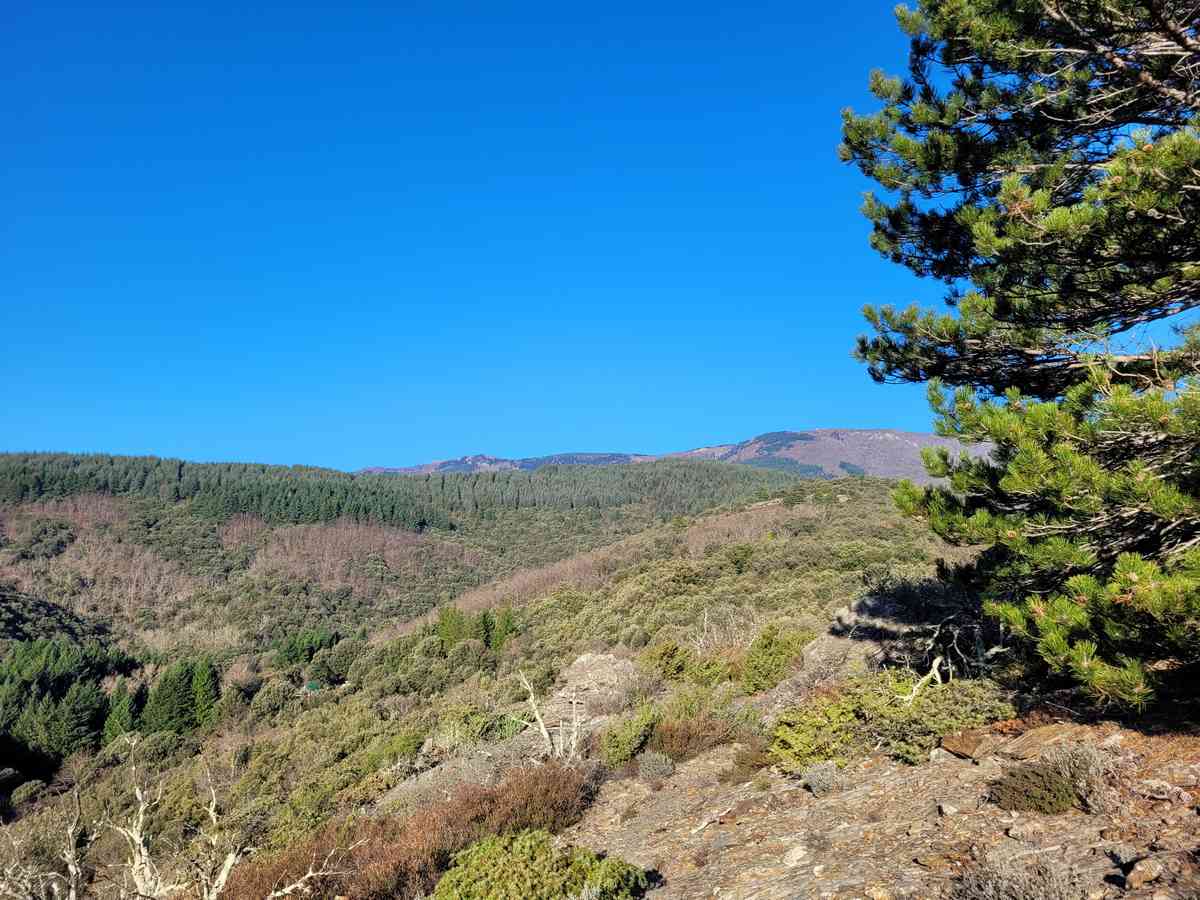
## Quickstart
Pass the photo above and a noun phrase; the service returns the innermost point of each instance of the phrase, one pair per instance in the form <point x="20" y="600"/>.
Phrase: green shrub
<point x="875" y="712"/>
<point x="621" y="741"/>
<point x="1035" y="787"/>
<point x="274" y="697"/>
<point x="669" y="659"/>
<point x="27" y="791"/>
<point x="772" y="655"/>
<point x="527" y="866"/>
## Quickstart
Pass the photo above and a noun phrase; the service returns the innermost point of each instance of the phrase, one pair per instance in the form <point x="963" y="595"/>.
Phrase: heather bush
<point x="402" y="859"/>
<point x="528" y="866"/>
<point x="876" y="712"/>
<point x="1035" y="787"/>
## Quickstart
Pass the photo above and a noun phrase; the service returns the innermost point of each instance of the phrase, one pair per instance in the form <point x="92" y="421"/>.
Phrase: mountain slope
<point x="818" y="453"/>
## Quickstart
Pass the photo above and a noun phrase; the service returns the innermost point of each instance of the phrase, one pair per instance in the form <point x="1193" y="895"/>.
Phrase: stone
<point x="945" y="809"/>
<point x="1124" y="854"/>
<point x="938" y="755"/>
<point x="795" y="856"/>
<point x="1154" y="789"/>
<point x="974" y="743"/>
<point x="1143" y="873"/>
<point x="1036" y="741"/>
<point x="1026" y="831"/>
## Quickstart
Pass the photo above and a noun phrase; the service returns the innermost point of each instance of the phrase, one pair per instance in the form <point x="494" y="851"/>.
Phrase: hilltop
<point x="816" y="453"/>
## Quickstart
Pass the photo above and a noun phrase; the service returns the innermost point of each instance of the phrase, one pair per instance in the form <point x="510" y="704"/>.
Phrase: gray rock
<point x="1143" y="873"/>
<point x="1124" y="854"/>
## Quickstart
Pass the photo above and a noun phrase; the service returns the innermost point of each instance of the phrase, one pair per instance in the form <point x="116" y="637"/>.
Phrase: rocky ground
<point x="897" y="831"/>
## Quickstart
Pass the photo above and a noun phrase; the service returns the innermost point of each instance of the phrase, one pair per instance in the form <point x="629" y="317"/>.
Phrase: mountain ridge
<point x="815" y="452"/>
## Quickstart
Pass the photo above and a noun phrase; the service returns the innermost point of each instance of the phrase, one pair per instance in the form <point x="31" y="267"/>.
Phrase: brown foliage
<point x="403" y="858"/>
<point x="350" y="554"/>
<point x="681" y="739"/>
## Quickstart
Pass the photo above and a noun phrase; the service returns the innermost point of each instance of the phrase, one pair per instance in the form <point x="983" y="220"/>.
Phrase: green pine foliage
<point x="124" y="708"/>
<point x="206" y="691"/>
<point x="528" y="866"/>
<point x="442" y="500"/>
<point x="171" y="705"/>
<point x="1043" y="166"/>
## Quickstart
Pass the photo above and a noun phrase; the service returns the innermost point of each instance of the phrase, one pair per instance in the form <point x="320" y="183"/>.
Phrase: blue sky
<point x="354" y="235"/>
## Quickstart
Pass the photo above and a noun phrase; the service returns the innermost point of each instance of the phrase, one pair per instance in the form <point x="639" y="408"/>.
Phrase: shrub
<point x="395" y="859"/>
<point x="27" y="791"/>
<point x="749" y="760"/>
<point x="621" y="741"/>
<point x="682" y="738"/>
<point x="669" y="659"/>
<point x="654" y="766"/>
<point x="1088" y="769"/>
<point x="1035" y="787"/>
<point x="771" y="656"/>
<point x="273" y="698"/>
<point x="1038" y="879"/>
<point x="527" y="866"/>
<point x="874" y="712"/>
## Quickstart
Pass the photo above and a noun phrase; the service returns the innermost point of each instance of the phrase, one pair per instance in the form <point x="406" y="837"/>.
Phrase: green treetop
<point x="1042" y="160"/>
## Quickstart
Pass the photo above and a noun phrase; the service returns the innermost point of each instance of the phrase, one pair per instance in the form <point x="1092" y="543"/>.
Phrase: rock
<point x="945" y="809"/>
<point x="1037" y="740"/>
<point x="1143" y="873"/>
<point x="1110" y="834"/>
<point x="1026" y="831"/>
<point x="1154" y="789"/>
<point x="974" y="743"/>
<point x="938" y="755"/>
<point x="795" y="856"/>
<point x="1124" y="854"/>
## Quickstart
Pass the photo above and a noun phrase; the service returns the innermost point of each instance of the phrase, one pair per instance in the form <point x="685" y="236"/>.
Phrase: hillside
<point x="817" y="453"/>
<point x="689" y="671"/>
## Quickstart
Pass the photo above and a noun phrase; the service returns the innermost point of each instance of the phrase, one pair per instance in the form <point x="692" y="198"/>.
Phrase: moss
<point x="527" y="866"/>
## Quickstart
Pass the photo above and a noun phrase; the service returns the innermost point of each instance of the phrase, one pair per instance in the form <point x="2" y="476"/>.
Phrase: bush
<point x="527" y="866"/>
<point x="621" y="741"/>
<point x="654" y="766"/>
<point x="748" y="761"/>
<point x="873" y="712"/>
<point x="401" y="859"/>
<point x="1038" y="879"/>
<point x="273" y="698"/>
<point x="27" y="791"/>
<point x="1035" y="787"/>
<point x="682" y="738"/>
<point x="771" y="656"/>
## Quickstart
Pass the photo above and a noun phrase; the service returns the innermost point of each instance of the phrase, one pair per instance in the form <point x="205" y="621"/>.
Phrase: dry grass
<point x="402" y="859"/>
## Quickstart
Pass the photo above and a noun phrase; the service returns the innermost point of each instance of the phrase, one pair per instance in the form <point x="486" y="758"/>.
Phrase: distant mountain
<point x="819" y="453"/>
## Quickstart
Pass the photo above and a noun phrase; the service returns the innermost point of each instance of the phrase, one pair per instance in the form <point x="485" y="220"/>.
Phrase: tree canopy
<point x="1042" y="160"/>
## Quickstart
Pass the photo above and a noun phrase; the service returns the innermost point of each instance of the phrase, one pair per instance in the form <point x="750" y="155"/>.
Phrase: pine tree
<point x="1043" y="162"/>
<point x="206" y="690"/>
<point x="171" y="705"/>
<point x="122" y="714"/>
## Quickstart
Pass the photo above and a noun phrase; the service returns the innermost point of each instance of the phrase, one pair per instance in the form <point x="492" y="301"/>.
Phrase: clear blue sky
<point x="353" y="235"/>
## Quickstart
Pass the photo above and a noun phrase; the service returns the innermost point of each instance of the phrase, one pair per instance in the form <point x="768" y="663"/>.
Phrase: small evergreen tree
<point x="206" y="690"/>
<point x="1043" y="162"/>
<point x="122" y="714"/>
<point x="171" y="705"/>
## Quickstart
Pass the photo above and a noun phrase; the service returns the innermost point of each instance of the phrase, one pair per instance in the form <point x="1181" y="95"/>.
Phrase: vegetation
<point x="280" y="494"/>
<point x="886" y="711"/>
<point x="1042" y="165"/>
<point x="528" y="865"/>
